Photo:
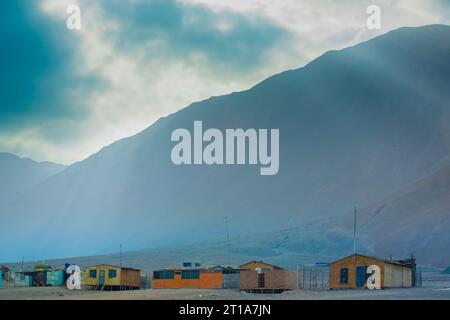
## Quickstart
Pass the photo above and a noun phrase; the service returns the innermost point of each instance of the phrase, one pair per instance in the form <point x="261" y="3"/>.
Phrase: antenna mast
<point x="228" y="241"/>
<point x="120" y="255"/>
<point x="354" y="237"/>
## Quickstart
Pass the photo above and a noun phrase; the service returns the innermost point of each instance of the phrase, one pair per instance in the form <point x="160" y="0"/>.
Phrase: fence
<point x="313" y="278"/>
<point x="16" y="280"/>
<point x="146" y="280"/>
<point x="434" y="279"/>
<point x="418" y="278"/>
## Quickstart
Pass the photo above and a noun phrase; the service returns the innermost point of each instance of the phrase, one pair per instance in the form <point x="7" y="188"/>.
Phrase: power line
<point x="228" y="241"/>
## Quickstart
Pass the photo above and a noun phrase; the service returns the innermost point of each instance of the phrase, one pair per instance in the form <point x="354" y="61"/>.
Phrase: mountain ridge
<point x="18" y="175"/>
<point x="354" y="129"/>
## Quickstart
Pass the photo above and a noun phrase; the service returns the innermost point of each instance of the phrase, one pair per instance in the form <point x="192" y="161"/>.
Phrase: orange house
<point x="192" y="278"/>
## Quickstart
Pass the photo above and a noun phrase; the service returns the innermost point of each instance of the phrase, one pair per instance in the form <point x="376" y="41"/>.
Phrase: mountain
<point x="356" y="126"/>
<point x="418" y="215"/>
<point x="19" y="175"/>
<point x="286" y="248"/>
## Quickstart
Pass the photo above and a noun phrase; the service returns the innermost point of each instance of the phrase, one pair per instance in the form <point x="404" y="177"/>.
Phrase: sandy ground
<point x="49" y="293"/>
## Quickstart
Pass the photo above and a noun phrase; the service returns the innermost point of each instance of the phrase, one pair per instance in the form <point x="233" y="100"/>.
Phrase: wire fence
<point x="313" y="278"/>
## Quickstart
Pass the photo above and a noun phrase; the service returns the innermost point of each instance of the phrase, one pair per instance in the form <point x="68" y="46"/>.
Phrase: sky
<point x="65" y="94"/>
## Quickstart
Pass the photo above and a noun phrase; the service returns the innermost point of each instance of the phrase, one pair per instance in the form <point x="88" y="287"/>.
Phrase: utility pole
<point x="120" y="255"/>
<point x="228" y="241"/>
<point x="354" y="238"/>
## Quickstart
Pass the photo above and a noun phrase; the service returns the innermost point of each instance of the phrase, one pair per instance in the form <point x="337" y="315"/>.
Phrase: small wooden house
<point x="111" y="277"/>
<point x="38" y="277"/>
<point x="351" y="273"/>
<point x="260" y="277"/>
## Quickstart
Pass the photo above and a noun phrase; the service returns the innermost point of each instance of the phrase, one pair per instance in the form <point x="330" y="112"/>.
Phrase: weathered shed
<point x="260" y="277"/>
<point x="38" y="277"/>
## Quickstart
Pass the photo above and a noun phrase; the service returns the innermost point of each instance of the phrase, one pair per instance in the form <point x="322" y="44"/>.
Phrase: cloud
<point x="144" y="60"/>
<point x="41" y="90"/>
<point x="34" y="64"/>
<point x="67" y="93"/>
<point x="328" y="23"/>
<point x="183" y="32"/>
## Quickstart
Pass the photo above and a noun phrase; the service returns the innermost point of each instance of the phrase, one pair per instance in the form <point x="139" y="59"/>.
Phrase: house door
<point x="261" y="280"/>
<point x="101" y="278"/>
<point x="360" y="276"/>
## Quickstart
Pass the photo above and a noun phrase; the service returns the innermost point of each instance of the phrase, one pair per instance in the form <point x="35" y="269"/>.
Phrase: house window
<point x="344" y="276"/>
<point x="190" y="274"/>
<point x="195" y="274"/>
<point x="162" y="275"/>
<point x="93" y="274"/>
<point x="112" y="273"/>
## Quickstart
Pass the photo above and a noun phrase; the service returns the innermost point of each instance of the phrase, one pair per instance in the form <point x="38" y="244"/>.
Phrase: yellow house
<point x="111" y="277"/>
<point x="83" y="277"/>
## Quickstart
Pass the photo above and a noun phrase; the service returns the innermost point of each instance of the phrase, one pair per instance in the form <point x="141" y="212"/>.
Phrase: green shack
<point x="55" y="278"/>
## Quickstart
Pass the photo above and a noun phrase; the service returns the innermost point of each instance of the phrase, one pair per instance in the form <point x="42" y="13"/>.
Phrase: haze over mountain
<point x="356" y="126"/>
<point x="418" y="215"/>
<point x="19" y="175"/>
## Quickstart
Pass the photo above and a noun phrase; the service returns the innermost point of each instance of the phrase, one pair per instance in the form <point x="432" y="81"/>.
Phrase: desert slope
<point x="356" y="126"/>
<point x="19" y="175"/>
<point x="415" y="219"/>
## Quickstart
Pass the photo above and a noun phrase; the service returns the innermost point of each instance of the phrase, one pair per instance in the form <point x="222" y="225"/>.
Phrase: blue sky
<point x="65" y="94"/>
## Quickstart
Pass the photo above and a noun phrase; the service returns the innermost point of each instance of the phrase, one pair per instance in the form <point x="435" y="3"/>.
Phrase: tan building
<point x="260" y="277"/>
<point x="351" y="273"/>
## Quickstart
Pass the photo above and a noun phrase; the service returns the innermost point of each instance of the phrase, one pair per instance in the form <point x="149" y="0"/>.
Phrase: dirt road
<point x="54" y="293"/>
